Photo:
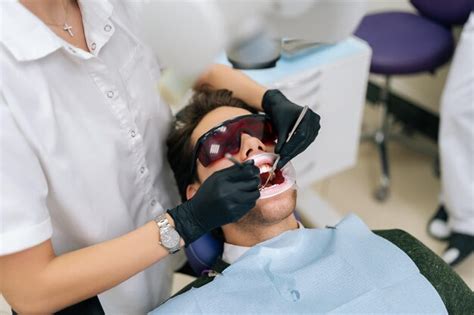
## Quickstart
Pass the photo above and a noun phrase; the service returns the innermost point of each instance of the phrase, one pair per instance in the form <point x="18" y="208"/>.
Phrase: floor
<point x="413" y="198"/>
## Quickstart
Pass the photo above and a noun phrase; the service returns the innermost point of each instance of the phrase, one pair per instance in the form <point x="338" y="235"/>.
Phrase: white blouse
<point x="83" y="153"/>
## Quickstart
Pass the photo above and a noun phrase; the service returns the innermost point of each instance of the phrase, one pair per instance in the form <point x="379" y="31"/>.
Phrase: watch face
<point x="170" y="239"/>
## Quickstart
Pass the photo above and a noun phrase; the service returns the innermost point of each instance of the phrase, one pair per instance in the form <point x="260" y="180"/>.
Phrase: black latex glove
<point x="283" y="114"/>
<point x="224" y="197"/>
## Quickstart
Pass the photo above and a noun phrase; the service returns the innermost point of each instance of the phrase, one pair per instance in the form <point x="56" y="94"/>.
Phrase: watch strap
<point x="165" y="227"/>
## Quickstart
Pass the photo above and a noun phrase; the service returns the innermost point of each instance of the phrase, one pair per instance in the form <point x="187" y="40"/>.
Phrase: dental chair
<point x="90" y="307"/>
<point x="406" y="43"/>
<point x="203" y="253"/>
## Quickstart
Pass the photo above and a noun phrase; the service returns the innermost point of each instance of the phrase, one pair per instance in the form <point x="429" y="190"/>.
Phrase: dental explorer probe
<point x="232" y="159"/>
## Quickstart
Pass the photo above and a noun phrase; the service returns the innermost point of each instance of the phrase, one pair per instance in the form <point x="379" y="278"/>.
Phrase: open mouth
<point x="280" y="181"/>
<point x="268" y="179"/>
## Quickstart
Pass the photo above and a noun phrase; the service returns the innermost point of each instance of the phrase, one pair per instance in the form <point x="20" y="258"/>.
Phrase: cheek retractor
<point x="276" y="183"/>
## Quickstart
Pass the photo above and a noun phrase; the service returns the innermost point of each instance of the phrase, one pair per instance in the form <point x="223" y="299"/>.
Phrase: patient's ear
<point x="191" y="190"/>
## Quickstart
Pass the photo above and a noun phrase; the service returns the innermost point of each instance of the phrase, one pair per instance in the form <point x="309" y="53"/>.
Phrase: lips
<point x="282" y="180"/>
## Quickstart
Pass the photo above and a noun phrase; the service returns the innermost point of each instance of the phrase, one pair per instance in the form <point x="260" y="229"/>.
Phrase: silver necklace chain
<point x="65" y="26"/>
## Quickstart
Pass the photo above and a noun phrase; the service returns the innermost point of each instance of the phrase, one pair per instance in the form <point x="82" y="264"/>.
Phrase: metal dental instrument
<point x="297" y="123"/>
<point x="232" y="159"/>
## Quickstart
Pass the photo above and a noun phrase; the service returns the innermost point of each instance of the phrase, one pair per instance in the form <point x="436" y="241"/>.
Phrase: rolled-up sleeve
<point x="24" y="217"/>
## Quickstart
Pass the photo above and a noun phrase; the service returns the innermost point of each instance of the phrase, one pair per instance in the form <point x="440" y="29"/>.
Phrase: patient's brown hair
<point x="180" y="148"/>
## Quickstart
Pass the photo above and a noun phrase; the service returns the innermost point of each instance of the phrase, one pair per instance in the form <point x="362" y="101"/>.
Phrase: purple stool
<point x="407" y="43"/>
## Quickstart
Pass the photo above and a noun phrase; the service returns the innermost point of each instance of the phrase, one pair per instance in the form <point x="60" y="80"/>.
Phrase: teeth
<point x="265" y="168"/>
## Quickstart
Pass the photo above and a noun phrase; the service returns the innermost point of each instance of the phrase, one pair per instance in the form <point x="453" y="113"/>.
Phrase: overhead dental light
<point x="187" y="35"/>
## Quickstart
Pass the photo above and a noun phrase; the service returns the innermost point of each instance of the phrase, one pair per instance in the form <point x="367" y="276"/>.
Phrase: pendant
<point x="68" y="28"/>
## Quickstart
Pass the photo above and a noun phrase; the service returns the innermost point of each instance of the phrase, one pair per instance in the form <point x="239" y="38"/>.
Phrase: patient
<point x="215" y="123"/>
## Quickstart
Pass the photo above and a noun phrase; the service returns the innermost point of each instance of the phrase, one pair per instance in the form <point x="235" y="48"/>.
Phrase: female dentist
<point x="86" y="193"/>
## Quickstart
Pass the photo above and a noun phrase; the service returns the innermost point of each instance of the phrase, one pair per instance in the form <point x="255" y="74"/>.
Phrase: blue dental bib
<point x="346" y="269"/>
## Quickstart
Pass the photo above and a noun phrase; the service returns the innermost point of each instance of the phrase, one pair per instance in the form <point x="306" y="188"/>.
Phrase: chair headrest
<point x="203" y="252"/>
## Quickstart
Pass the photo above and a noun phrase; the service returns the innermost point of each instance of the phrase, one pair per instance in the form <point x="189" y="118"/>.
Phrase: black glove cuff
<point x="270" y="98"/>
<point x="186" y="228"/>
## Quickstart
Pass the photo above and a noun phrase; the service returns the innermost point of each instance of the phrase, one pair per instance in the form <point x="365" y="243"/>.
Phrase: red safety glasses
<point x="225" y="138"/>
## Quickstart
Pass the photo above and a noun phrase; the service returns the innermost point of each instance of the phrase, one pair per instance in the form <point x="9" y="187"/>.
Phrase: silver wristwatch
<point x="169" y="238"/>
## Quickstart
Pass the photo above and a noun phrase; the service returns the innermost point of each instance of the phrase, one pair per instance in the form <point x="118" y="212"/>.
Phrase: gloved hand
<point x="283" y="114"/>
<point x="224" y="197"/>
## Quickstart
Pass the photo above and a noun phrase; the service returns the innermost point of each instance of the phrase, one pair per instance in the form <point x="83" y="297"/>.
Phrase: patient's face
<point x="267" y="211"/>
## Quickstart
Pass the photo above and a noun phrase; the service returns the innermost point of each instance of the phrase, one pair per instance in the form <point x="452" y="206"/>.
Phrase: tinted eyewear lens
<point x="225" y="138"/>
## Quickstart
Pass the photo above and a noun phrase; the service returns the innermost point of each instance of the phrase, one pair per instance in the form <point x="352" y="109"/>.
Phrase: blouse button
<point x="133" y="133"/>
<point x="153" y="203"/>
<point x="110" y="94"/>
<point x="93" y="46"/>
<point x="142" y="169"/>
<point x="107" y="28"/>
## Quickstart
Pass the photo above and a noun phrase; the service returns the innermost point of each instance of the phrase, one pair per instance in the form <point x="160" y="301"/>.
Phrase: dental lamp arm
<point x="201" y="30"/>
